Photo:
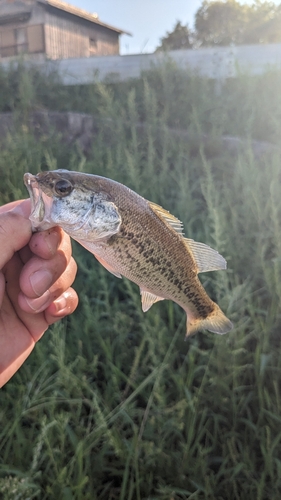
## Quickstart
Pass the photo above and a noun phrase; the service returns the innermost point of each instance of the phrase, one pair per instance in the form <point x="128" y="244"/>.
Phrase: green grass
<point x="113" y="404"/>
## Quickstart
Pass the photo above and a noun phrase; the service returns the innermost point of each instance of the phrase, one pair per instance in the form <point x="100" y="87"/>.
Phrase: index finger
<point x="14" y="204"/>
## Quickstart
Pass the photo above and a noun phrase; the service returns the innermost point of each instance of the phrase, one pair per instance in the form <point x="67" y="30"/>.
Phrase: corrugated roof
<point x="66" y="7"/>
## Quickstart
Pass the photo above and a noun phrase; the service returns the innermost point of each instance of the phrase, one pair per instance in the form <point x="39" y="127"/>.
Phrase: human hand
<point x="36" y="271"/>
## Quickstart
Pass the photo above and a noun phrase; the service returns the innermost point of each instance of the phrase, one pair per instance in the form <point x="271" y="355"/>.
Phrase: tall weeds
<point x="112" y="403"/>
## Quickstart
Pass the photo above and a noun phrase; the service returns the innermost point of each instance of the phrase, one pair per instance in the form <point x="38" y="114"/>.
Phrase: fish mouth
<point x="41" y="204"/>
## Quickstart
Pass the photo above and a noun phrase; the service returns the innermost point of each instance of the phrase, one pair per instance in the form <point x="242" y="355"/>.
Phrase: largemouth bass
<point x="132" y="237"/>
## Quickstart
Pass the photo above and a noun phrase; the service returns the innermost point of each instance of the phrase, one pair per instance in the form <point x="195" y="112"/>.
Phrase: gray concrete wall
<point x="218" y="63"/>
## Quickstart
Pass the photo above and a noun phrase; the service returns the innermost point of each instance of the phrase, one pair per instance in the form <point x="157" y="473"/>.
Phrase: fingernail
<point x="40" y="281"/>
<point x="38" y="305"/>
<point x="61" y="302"/>
<point x="52" y="240"/>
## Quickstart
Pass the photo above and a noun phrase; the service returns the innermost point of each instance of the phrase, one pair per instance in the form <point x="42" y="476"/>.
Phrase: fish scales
<point x="157" y="252"/>
<point x="131" y="237"/>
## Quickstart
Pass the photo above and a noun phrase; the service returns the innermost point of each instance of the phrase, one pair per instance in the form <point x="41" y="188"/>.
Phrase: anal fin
<point x="148" y="299"/>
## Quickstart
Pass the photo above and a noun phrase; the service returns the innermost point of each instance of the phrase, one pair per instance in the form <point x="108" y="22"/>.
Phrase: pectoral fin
<point x="148" y="299"/>
<point x="108" y="267"/>
<point x="94" y="248"/>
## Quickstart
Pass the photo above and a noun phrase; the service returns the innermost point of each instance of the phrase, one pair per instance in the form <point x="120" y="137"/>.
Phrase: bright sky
<point x="147" y="20"/>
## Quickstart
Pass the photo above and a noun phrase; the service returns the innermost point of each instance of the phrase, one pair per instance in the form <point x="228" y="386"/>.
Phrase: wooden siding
<point x="65" y="39"/>
<point x="58" y="35"/>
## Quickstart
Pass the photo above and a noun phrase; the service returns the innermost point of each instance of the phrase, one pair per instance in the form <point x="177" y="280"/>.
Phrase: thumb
<point x="15" y="231"/>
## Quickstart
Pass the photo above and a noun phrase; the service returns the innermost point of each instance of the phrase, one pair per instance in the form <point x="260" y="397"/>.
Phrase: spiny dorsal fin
<point x="148" y="299"/>
<point x="170" y="219"/>
<point x="206" y="258"/>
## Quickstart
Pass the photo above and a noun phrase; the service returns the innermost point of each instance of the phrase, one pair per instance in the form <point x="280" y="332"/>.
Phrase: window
<point x="8" y="43"/>
<point x="93" y="46"/>
<point x="36" y="41"/>
<point x="19" y="40"/>
<point x="13" y="42"/>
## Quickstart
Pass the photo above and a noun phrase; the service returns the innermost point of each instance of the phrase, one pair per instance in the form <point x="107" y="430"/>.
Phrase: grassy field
<point x="113" y="404"/>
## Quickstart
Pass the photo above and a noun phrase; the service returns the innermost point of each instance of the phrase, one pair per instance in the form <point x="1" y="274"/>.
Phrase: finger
<point x="16" y="333"/>
<point x="36" y="305"/>
<point x="46" y="243"/>
<point x="15" y="231"/>
<point x="25" y="254"/>
<point x="13" y="204"/>
<point x="64" y="305"/>
<point x="39" y="274"/>
<point x="2" y="287"/>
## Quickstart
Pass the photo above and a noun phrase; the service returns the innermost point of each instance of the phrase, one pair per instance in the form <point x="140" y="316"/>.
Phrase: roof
<point x="66" y="7"/>
<point x="17" y="11"/>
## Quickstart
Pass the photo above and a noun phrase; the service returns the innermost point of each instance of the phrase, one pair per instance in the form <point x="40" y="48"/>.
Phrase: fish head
<point x="73" y="201"/>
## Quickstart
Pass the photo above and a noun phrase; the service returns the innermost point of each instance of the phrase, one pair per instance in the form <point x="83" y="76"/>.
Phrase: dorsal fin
<point x="148" y="299"/>
<point x="170" y="219"/>
<point x="206" y="258"/>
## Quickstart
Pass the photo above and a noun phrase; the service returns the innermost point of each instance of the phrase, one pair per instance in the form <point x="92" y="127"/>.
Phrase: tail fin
<point x="216" y="322"/>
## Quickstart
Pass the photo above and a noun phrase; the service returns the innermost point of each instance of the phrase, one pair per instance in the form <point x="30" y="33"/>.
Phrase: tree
<point x="177" y="39"/>
<point x="228" y="22"/>
<point x="220" y="23"/>
<point x="264" y="23"/>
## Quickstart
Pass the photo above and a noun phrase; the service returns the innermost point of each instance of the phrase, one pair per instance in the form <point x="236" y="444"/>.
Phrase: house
<point x="53" y="29"/>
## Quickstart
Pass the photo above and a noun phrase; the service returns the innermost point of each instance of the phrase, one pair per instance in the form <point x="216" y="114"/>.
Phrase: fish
<point x="131" y="237"/>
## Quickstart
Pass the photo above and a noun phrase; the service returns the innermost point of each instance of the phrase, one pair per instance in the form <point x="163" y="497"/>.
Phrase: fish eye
<point x="63" y="187"/>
